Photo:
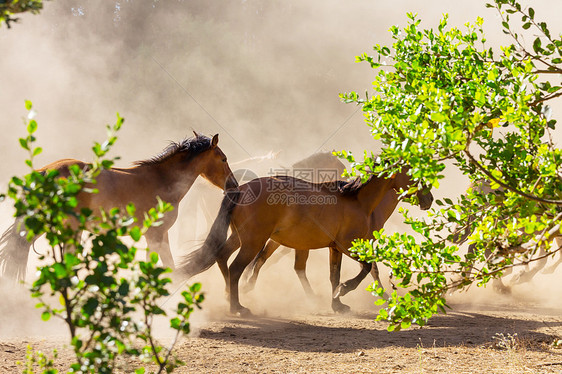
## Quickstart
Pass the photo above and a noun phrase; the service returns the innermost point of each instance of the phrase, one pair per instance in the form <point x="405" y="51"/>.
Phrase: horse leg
<point x="249" y="249"/>
<point x="375" y="274"/>
<point x="552" y="268"/>
<point x="499" y="287"/>
<point x="231" y="245"/>
<point x="158" y="242"/>
<point x="14" y="255"/>
<point x="497" y="283"/>
<point x="527" y="275"/>
<point x="468" y="269"/>
<point x="258" y="262"/>
<point x="300" y="268"/>
<point x="353" y="283"/>
<point x="335" y="270"/>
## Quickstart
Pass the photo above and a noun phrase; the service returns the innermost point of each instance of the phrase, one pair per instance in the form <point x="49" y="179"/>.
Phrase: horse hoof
<point x="340" y="308"/>
<point x="241" y="312"/>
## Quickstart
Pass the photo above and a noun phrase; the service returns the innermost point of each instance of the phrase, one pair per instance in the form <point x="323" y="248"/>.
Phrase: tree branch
<point x="504" y="185"/>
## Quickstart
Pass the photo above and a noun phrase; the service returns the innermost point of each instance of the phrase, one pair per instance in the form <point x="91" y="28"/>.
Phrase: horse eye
<point x="224" y="160"/>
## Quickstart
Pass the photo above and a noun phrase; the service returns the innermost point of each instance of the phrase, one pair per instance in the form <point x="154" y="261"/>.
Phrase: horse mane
<point x="352" y="187"/>
<point x="194" y="146"/>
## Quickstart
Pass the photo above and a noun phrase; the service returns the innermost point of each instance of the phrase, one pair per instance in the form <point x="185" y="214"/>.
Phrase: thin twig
<point x="504" y="185"/>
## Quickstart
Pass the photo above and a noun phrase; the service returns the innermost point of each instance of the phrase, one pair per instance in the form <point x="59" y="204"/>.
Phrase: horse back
<point x="296" y="213"/>
<point x="62" y="166"/>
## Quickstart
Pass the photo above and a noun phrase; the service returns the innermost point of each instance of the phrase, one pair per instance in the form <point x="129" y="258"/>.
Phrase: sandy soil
<point x="491" y="334"/>
<point x="465" y="341"/>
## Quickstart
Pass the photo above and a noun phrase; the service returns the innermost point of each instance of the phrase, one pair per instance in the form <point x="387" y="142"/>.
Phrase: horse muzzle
<point x="425" y="202"/>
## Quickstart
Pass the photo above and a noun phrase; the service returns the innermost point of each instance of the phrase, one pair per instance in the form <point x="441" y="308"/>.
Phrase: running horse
<point x="167" y="176"/>
<point x="323" y="161"/>
<point x="378" y="218"/>
<point x="296" y="214"/>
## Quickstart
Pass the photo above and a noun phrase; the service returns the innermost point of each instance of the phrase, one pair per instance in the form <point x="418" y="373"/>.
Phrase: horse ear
<point x="215" y="141"/>
<point x="196" y="134"/>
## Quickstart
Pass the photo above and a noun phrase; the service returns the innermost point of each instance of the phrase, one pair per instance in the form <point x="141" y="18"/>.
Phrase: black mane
<point x="352" y="187"/>
<point x="194" y="146"/>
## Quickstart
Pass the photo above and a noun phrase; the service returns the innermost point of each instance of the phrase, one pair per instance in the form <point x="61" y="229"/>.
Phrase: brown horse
<point x="318" y="167"/>
<point x="296" y="214"/>
<point x="168" y="176"/>
<point x="378" y="218"/>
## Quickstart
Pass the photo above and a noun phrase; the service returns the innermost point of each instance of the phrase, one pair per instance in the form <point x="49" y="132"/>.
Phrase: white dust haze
<point x="265" y="75"/>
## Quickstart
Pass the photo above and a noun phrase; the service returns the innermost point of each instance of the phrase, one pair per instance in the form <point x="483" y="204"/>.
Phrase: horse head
<point x="425" y="198"/>
<point x="423" y="193"/>
<point x="214" y="166"/>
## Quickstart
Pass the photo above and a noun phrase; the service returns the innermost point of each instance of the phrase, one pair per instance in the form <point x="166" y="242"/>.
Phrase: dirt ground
<point x="483" y="333"/>
<point x="465" y="341"/>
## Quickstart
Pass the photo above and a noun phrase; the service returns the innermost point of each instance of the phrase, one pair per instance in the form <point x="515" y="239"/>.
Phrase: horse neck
<point x="175" y="179"/>
<point x="372" y="193"/>
<point x="385" y="208"/>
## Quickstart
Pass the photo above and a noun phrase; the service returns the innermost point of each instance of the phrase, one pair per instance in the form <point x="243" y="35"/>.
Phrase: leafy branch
<point x="449" y="97"/>
<point x="100" y="285"/>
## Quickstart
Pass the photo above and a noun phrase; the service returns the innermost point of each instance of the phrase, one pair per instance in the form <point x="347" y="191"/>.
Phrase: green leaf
<point x="405" y="324"/>
<point x="32" y="126"/>
<point x="438" y="117"/>
<point x="154" y="257"/>
<point x="195" y="287"/>
<point x="90" y="307"/>
<point x="45" y="316"/>
<point x="537" y="45"/>
<point x="135" y="233"/>
<point x="131" y="210"/>
<point x="24" y="144"/>
<point x="380" y="301"/>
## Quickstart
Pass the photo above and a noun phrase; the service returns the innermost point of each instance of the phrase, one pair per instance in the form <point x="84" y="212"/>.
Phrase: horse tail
<point x="203" y="258"/>
<point x="14" y="252"/>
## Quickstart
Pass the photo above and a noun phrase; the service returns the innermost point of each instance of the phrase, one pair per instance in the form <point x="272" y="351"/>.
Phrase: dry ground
<point x="465" y="341"/>
<point x="484" y="333"/>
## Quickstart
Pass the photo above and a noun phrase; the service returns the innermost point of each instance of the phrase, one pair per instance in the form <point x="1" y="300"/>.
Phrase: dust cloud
<point x="265" y="75"/>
